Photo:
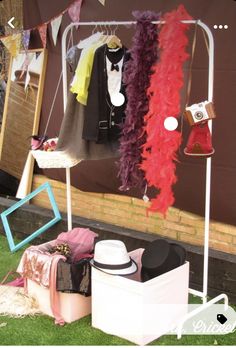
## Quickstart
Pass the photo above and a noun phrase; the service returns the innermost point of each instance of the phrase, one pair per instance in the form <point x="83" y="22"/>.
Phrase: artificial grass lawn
<point x="41" y="330"/>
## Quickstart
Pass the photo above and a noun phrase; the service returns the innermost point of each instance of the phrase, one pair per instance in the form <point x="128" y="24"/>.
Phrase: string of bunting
<point x="14" y="42"/>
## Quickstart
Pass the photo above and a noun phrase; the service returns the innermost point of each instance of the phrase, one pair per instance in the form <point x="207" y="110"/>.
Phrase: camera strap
<point x="189" y="79"/>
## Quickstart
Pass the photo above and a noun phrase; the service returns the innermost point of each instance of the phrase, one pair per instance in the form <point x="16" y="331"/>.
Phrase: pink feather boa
<point x="159" y="151"/>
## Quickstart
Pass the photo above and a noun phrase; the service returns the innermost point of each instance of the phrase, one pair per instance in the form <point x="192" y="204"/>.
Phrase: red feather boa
<point x="159" y="151"/>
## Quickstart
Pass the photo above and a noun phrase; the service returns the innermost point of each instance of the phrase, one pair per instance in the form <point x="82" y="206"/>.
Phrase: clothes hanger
<point x="113" y="40"/>
<point x="106" y="35"/>
<point x="91" y="39"/>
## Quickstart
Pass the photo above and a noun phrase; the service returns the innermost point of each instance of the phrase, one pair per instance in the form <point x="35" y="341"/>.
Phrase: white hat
<point x="111" y="256"/>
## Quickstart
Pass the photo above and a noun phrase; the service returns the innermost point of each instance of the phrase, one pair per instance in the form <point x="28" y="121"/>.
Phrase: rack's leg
<point x="206" y="229"/>
<point x="200" y="309"/>
<point x="68" y="197"/>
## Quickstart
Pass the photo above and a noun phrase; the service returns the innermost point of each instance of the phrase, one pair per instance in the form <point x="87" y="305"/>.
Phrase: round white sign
<point x="117" y="99"/>
<point x="170" y="123"/>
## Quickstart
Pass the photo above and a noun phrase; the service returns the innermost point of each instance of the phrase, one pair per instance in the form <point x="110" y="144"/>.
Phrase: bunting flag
<point x="74" y="10"/>
<point x="55" y="25"/>
<point x="37" y="54"/>
<point x="102" y="2"/>
<point x="12" y="43"/>
<point x="26" y="39"/>
<point x="43" y="33"/>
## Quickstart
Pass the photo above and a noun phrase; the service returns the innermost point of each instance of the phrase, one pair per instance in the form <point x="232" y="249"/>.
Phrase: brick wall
<point x="131" y="213"/>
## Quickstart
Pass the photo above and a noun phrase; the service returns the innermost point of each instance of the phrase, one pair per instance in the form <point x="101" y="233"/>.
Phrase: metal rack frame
<point x="203" y="293"/>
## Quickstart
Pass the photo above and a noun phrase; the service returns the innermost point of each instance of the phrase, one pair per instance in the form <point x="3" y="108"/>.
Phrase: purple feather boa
<point x="137" y="71"/>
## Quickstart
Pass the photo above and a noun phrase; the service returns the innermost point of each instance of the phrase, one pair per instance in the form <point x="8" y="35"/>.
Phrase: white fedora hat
<point x="111" y="256"/>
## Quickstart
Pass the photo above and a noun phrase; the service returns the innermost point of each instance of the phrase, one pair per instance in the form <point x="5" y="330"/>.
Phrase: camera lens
<point x="198" y="115"/>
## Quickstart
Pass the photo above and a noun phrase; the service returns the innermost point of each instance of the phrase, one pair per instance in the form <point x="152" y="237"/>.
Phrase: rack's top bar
<point x="124" y="22"/>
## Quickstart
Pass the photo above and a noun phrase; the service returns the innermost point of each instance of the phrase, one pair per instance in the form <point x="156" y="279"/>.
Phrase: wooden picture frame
<point x="21" y="115"/>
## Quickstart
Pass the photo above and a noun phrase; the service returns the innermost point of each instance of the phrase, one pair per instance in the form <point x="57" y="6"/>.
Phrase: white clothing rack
<point x="203" y="293"/>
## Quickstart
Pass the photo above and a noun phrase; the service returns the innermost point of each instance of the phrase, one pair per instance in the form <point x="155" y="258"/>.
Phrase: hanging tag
<point x="145" y="198"/>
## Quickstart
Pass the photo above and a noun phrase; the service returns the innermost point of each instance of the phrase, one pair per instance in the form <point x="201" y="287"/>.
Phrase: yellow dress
<point x="81" y="80"/>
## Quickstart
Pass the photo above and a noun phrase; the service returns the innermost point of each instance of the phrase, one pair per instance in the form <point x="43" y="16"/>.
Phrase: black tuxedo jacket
<point x="99" y="110"/>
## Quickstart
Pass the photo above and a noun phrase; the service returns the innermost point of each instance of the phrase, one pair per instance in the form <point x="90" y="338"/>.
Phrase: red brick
<point x="139" y="211"/>
<point x="220" y="246"/>
<point x="140" y="202"/>
<point x="164" y="232"/>
<point x="178" y="227"/>
<point x="217" y="226"/>
<point x="222" y="237"/>
<point x="190" y="239"/>
<point x="119" y="198"/>
<point x="117" y="212"/>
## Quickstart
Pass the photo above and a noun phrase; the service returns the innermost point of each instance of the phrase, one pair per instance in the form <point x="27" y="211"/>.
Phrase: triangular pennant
<point x="12" y="43"/>
<point x="102" y="2"/>
<point x="43" y="34"/>
<point x="74" y="10"/>
<point x="26" y="39"/>
<point x="55" y="24"/>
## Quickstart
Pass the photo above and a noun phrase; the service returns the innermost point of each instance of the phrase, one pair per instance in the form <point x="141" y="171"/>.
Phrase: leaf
<point x="215" y="342"/>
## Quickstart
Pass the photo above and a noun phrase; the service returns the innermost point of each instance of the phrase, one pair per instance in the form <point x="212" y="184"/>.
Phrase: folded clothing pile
<point x="61" y="265"/>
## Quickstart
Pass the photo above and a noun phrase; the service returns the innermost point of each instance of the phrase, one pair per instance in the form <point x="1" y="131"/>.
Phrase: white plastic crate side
<point x="116" y="281"/>
<point x="72" y="306"/>
<point x="170" y="287"/>
<point x="115" y="309"/>
<point x="128" y="308"/>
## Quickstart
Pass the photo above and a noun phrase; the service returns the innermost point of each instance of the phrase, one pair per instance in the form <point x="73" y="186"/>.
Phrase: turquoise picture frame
<point x="57" y="217"/>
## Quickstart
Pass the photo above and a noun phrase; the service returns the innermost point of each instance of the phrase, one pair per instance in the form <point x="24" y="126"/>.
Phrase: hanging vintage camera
<point x="200" y="112"/>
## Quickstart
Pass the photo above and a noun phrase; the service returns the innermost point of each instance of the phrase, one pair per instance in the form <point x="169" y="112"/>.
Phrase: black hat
<point x="161" y="257"/>
<point x="181" y="251"/>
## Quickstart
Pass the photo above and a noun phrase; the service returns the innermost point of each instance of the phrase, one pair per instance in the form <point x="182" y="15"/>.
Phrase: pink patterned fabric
<point x="54" y="295"/>
<point x="36" y="261"/>
<point x="80" y="240"/>
<point x="74" y="11"/>
<point x="19" y="282"/>
<point x="79" y="257"/>
<point x="36" y="265"/>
